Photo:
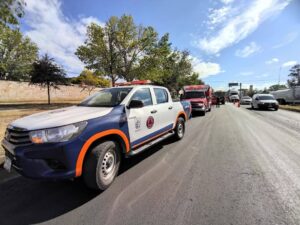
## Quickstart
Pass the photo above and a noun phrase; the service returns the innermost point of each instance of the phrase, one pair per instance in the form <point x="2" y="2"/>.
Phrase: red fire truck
<point x="200" y="97"/>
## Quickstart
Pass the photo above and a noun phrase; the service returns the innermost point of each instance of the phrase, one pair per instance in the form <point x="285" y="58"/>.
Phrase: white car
<point x="264" y="101"/>
<point x="246" y="100"/>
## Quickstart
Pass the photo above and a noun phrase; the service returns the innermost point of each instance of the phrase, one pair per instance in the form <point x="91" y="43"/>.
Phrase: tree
<point x="11" y="11"/>
<point x="295" y="76"/>
<point x="89" y="81"/>
<point x="168" y="67"/>
<point x="132" y="42"/>
<point x="277" y="87"/>
<point x="47" y="73"/>
<point x="116" y="48"/>
<point x="17" y="53"/>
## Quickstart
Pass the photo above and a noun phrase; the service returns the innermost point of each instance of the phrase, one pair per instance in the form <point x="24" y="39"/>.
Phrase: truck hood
<point x="60" y="117"/>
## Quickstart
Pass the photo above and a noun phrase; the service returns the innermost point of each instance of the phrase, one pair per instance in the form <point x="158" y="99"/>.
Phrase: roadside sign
<point x="233" y="84"/>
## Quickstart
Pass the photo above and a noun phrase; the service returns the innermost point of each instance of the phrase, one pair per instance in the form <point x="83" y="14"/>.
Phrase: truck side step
<point x="149" y="144"/>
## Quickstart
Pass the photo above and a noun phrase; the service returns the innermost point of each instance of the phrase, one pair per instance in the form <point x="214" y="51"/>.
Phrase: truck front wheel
<point x="179" y="129"/>
<point x="102" y="165"/>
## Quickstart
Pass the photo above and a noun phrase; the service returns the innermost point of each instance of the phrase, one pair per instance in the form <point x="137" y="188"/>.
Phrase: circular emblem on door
<point x="150" y="122"/>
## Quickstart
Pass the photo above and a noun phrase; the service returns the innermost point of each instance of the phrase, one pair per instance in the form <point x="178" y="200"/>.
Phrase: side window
<point x="143" y="95"/>
<point x="161" y="95"/>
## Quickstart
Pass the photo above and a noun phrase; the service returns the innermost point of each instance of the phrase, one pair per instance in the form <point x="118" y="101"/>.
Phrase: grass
<point x="295" y="108"/>
<point x="11" y="112"/>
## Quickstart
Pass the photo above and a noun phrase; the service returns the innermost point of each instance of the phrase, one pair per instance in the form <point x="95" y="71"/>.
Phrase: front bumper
<point x="246" y="102"/>
<point x="268" y="106"/>
<point x="45" y="161"/>
<point x="198" y="109"/>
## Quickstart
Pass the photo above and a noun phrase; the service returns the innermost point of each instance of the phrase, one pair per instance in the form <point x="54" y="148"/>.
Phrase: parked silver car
<point x="246" y="100"/>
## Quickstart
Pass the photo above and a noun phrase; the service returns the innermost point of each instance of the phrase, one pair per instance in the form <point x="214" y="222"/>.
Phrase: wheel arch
<point x="113" y="135"/>
<point x="181" y="114"/>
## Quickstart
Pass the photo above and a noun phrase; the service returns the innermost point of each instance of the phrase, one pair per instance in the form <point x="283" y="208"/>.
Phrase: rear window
<point x="161" y="95"/>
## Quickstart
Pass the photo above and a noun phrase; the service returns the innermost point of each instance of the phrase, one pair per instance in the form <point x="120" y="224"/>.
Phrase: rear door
<point x="165" y="110"/>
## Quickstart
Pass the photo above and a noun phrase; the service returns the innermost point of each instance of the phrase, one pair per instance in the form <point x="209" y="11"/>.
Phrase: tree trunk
<point x="48" y="87"/>
<point x="113" y="82"/>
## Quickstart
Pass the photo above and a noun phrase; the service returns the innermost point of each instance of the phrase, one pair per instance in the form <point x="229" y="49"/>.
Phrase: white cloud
<point x="289" y="63"/>
<point x="289" y="38"/>
<point x="205" y="69"/>
<point x="271" y="61"/>
<point x="217" y="16"/>
<point x="246" y="73"/>
<point x="247" y="50"/>
<point x="56" y="34"/>
<point x="239" y="25"/>
<point x="263" y="75"/>
<point x="227" y="1"/>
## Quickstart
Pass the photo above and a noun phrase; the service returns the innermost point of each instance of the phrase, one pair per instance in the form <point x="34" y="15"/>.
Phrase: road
<point x="234" y="166"/>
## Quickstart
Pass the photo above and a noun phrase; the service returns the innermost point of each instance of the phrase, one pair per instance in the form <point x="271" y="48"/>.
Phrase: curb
<point x="290" y="109"/>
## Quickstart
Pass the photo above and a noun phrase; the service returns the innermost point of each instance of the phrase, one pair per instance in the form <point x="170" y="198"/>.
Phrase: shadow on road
<point x="26" y="201"/>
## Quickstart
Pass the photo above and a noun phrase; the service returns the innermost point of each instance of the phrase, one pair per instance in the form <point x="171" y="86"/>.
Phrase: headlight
<point x="59" y="134"/>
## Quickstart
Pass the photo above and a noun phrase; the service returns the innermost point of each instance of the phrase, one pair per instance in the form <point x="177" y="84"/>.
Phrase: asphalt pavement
<point x="234" y="166"/>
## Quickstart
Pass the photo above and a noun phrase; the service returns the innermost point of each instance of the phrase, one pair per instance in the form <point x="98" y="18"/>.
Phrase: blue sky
<point x="229" y="40"/>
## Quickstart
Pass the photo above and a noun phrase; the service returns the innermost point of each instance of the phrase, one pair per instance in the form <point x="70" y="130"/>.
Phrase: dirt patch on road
<point x="9" y="113"/>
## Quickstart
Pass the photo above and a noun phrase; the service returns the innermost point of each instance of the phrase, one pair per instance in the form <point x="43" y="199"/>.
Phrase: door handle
<point x="171" y="107"/>
<point x="154" y="111"/>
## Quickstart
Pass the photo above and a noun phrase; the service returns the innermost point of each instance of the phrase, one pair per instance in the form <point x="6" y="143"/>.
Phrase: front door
<point x="142" y="121"/>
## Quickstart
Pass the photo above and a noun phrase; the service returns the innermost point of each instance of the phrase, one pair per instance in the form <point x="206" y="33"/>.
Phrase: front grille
<point x="17" y="136"/>
<point x="196" y="105"/>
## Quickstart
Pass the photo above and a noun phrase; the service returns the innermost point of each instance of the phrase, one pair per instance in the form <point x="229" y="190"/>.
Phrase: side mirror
<point x="134" y="104"/>
<point x="256" y="99"/>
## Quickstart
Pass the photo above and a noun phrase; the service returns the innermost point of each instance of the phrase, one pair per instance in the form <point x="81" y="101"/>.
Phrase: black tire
<point x="276" y="108"/>
<point x="179" y="129"/>
<point x="101" y="165"/>
<point x="202" y="113"/>
<point x="252" y="107"/>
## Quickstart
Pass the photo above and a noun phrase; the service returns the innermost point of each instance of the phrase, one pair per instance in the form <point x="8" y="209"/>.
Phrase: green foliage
<point x="99" y="52"/>
<point x="277" y="87"/>
<point x="115" y="49"/>
<point x="132" y="43"/>
<point x="47" y="73"/>
<point x="124" y="50"/>
<point x="89" y="80"/>
<point x="295" y="76"/>
<point x="168" y="67"/>
<point x="11" y="11"/>
<point x="17" y="53"/>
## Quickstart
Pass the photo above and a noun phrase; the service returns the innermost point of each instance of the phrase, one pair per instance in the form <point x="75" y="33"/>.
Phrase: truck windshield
<point x="106" y="98"/>
<point x="194" y="94"/>
<point x="267" y="97"/>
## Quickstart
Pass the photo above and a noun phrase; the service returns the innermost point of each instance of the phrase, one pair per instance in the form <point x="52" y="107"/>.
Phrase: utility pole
<point x="279" y="75"/>
<point x="240" y="90"/>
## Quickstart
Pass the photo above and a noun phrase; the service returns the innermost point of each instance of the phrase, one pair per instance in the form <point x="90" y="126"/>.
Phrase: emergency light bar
<point x="135" y="82"/>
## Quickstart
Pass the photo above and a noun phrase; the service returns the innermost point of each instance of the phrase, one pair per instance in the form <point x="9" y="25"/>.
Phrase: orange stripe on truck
<point x="181" y="113"/>
<point x="90" y="141"/>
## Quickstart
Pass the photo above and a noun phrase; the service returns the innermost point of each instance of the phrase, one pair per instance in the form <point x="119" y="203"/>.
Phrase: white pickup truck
<point x="88" y="139"/>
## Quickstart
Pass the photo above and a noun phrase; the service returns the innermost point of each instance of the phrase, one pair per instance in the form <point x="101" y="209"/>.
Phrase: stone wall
<point x="21" y="92"/>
